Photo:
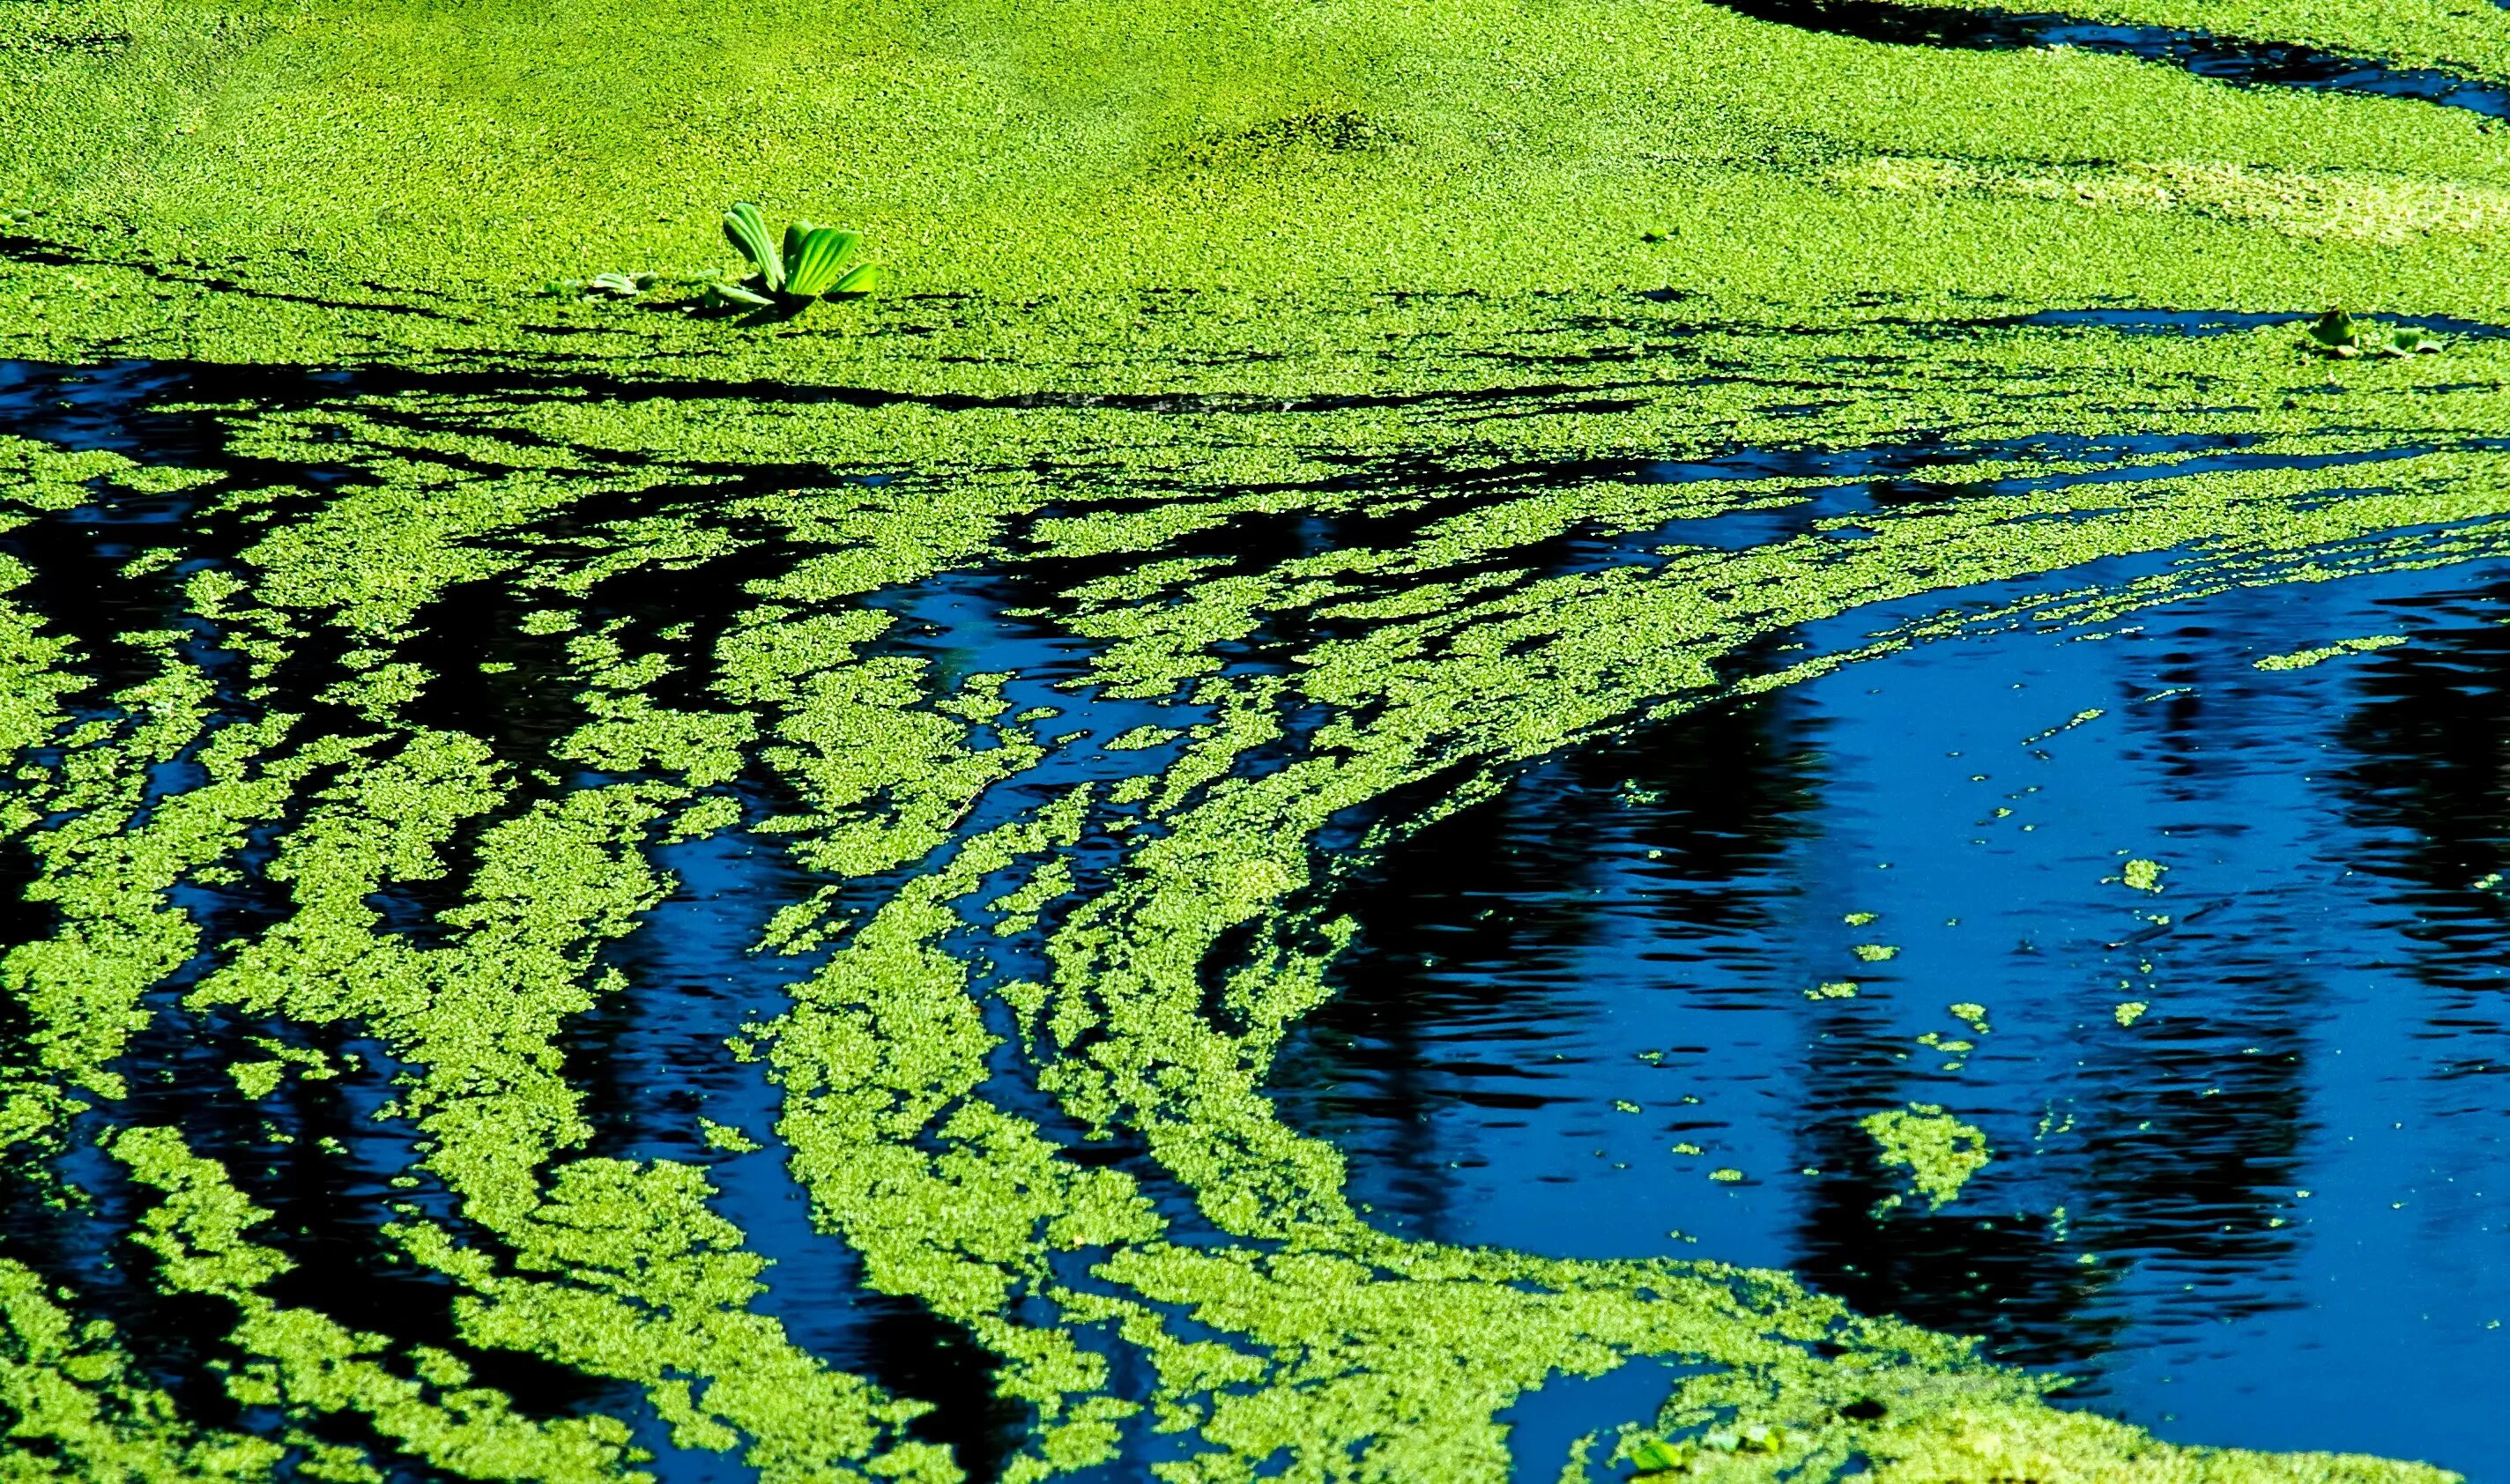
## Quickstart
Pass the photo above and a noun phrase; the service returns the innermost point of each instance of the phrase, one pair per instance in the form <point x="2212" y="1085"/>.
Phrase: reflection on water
<point x="1604" y="1013"/>
<point x="2264" y="1211"/>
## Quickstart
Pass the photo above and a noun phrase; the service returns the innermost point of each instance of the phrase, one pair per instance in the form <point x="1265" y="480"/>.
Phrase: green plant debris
<point x="1938" y="1151"/>
<point x="2079" y="718"/>
<point x="2129" y="1011"/>
<point x="2339" y="335"/>
<point x="2141" y="875"/>
<point x="1875" y="953"/>
<point x="2304" y="659"/>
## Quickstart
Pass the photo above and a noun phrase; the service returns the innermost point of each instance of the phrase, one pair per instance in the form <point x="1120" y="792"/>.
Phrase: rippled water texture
<point x="1212" y="944"/>
<point x="2269" y="1210"/>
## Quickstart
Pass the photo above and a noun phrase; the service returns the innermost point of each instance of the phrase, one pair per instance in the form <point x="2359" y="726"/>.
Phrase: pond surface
<point x="2270" y="1211"/>
<point x="726" y="1015"/>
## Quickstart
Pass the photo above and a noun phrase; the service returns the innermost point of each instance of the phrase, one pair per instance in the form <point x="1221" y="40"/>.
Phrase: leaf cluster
<point x="1660" y="1461"/>
<point x="809" y="264"/>
<point x="2339" y="334"/>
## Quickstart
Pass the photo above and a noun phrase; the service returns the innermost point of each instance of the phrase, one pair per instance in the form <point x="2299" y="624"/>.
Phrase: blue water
<point x="2283" y="1189"/>
<point x="2269" y="1212"/>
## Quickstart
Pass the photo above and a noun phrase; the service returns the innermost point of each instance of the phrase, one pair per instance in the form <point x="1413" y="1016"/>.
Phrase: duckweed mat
<point x="1279" y="818"/>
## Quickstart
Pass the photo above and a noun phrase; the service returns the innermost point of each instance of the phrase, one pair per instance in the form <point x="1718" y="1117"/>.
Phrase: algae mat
<point x="1288" y="426"/>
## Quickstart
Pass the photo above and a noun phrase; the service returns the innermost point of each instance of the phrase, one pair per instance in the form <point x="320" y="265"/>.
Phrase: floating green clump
<point x="2304" y="659"/>
<point x="2339" y="334"/>
<point x="1939" y="1152"/>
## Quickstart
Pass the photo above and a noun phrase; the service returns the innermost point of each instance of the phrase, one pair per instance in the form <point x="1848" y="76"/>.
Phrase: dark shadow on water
<point x="2201" y="322"/>
<point x="2223" y="58"/>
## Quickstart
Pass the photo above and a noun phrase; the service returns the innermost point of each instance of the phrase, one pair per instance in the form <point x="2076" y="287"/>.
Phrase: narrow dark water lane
<point x="2254" y="63"/>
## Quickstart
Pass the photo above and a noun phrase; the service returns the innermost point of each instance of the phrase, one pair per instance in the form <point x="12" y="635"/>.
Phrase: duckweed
<point x="1939" y="1152"/>
<point x="445" y="661"/>
<point x="2304" y="659"/>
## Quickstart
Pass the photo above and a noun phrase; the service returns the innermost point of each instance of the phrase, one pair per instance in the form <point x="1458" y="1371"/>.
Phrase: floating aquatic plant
<point x="614" y="286"/>
<point x="1658" y="1459"/>
<point x="810" y="264"/>
<point x="2339" y="334"/>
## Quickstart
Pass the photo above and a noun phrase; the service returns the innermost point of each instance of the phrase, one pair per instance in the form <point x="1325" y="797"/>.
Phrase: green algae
<point x="2304" y="659"/>
<point x="985" y="1003"/>
<point x="923" y="1148"/>
<point x="1185" y="156"/>
<point x="1939" y="1152"/>
<point x="78" y="1411"/>
<point x="2141" y="875"/>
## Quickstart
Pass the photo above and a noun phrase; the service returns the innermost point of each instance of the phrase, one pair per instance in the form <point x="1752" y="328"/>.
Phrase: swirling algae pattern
<point x="1296" y="421"/>
<point x="272" y="841"/>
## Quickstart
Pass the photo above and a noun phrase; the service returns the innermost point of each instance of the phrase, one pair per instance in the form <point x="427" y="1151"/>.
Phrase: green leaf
<point x="733" y="295"/>
<point x="2335" y="330"/>
<point x="796" y="235"/>
<point x="748" y="233"/>
<point x="618" y="283"/>
<point x="859" y="281"/>
<point x="1656" y="1456"/>
<point x="2412" y="341"/>
<point x="822" y="251"/>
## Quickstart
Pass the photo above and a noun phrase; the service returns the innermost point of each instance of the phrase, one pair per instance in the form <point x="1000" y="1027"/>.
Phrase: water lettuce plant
<point x="810" y="264"/>
<point x="2339" y="334"/>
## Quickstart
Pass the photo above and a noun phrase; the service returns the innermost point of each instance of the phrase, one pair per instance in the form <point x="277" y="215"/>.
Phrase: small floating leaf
<point x="1656" y="1456"/>
<point x="734" y="295"/>
<point x="747" y="230"/>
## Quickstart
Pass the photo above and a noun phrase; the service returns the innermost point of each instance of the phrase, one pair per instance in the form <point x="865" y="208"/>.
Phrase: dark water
<point x="2267" y="1213"/>
<point x="2256" y="63"/>
<point x="2283" y="1188"/>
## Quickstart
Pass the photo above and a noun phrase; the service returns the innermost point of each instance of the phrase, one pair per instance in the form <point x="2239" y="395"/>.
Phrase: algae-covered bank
<point x="1468" y="742"/>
